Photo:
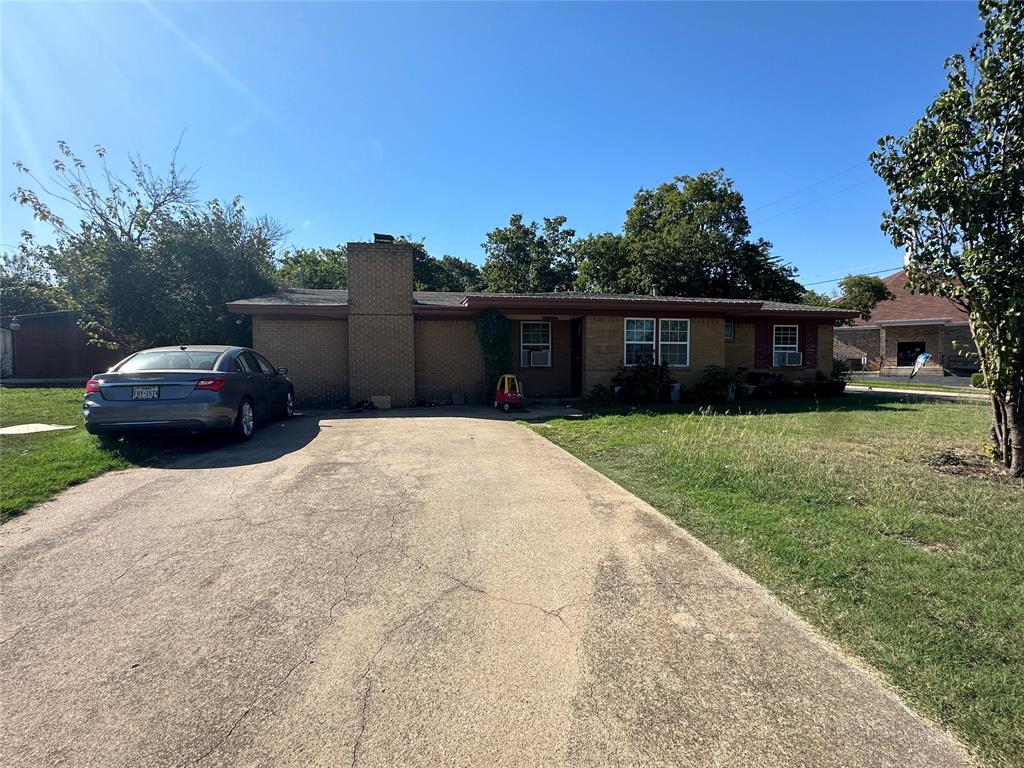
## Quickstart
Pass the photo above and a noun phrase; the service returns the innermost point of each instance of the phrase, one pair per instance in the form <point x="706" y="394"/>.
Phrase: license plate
<point x="145" y="393"/>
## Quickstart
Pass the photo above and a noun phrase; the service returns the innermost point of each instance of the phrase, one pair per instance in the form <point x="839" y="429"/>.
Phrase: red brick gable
<point x="912" y="306"/>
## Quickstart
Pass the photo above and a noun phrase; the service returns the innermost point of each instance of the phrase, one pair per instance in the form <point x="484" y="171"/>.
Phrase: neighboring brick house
<point x="903" y="327"/>
<point x="380" y="338"/>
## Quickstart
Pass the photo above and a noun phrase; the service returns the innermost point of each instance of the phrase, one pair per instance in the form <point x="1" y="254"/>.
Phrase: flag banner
<point x="923" y="358"/>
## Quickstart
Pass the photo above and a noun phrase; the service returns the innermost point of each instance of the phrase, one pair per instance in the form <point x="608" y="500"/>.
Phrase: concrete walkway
<point x="415" y="590"/>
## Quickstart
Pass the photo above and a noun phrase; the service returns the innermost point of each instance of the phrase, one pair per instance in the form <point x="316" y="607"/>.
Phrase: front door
<point x="907" y="351"/>
<point x="576" y="357"/>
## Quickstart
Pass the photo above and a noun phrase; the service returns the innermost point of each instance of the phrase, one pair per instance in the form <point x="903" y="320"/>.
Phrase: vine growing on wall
<point x="495" y="333"/>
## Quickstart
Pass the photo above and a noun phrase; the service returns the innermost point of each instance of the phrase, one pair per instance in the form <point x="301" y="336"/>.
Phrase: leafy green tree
<point x="529" y="258"/>
<point x="956" y="183"/>
<point x="862" y="293"/>
<point x="687" y="237"/>
<point x="27" y="286"/>
<point x="603" y="264"/>
<point x="815" y="299"/>
<point x="146" y="264"/>
<point x="451" y="273"/>
<point x="314" y="267"/>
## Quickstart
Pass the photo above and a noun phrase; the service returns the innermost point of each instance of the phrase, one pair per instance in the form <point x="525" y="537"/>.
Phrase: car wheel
<point x="289" y="405"/>
<point x="506" y="407"/>
<point x="245" y="420"/>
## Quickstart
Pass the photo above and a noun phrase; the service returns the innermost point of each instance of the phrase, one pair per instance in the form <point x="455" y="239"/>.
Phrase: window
<point x="264" y="364"/>
<point x="786" y="346"/>
<point x="247" y="363"/>
<point x="639" y="339"/>
<point x="170" y="360"/>
<point x="535" y="345"/>
<point x="674" y="342"/>
<point x="730" y="331"/>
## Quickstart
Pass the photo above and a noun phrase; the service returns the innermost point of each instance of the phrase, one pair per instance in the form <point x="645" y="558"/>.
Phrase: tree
<point x="862" y="293"/>
<point x="26" y="286"/>
<point x="687" y="237"/>
<point x="523" y="258"/>
<point x="146" y="264"/>
<point x="956" y="183"/>
<point x="815" y="299"/>
<point x="314" y="267"/>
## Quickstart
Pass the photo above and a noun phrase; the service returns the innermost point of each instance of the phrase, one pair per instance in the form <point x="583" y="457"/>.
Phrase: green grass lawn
<point x="34" y="467"/>
<point x="916" y="385"/>
<point x="858" y="516"/>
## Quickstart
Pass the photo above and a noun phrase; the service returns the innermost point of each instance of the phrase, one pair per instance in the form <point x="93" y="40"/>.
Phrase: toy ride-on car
<point x="508" y="394"/>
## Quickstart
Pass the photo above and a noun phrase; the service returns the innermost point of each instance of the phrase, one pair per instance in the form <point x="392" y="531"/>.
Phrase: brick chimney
<point x="381" y="340"/>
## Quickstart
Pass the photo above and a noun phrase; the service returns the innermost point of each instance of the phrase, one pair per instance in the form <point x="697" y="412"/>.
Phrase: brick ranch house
<point x="902" y="328"/>
<point x="381" y="338"/>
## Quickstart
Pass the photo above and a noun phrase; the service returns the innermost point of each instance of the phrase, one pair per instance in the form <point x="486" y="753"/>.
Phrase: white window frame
<point x="776" y="347"/>
<point x="626" y="343"/>
<point x="795" y="347"/>
<point x="672" y="344"/>
<point x="534" y="346"/>
<point x="729" y="336"/>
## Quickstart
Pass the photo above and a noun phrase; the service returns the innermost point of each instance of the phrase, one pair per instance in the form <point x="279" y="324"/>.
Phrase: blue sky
<point x="441" y="120"/>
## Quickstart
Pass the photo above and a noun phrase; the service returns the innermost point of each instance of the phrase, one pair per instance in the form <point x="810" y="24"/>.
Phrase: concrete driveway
<point x="408" y="590"/>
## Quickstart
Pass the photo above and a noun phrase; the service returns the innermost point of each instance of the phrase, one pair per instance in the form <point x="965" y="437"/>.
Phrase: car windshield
<point x="169" y="360"/>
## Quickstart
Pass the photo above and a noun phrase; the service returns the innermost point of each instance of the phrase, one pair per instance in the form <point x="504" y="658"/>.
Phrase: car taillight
<point x="92" y="387"/>
<point x="213" y="383"/>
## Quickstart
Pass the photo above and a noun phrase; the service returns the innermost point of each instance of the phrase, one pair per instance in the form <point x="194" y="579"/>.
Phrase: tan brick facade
<point x="604" y="347"/>
<point x="947" y="344"/>
<point x="382" y="346"/>
<point x="315" y="352"/>
<point x="448" y="361"/>
<point x="739" y="353"/>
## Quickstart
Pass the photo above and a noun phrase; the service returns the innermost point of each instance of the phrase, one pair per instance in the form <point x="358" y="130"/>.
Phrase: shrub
<point x="978" y="380"/>
<point x="495" y="333"/>
<point x="716" y="385"/>
<point x="840" y="369"/>
<point x="601" y="395"/>
<point x="643" y="383"/>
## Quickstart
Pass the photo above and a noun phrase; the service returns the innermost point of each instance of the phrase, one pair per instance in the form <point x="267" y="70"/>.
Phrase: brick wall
<point x="604" y="341"/>
<point x="826" y="351"/>
<point x="315" y="352"/>
<point x="853" y="343"/>
<point x="448" y="360"/>
<point x="382" y="345"/>
<point x="739" y="353"/>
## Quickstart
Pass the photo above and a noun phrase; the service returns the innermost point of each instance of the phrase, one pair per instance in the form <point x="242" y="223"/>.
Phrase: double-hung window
<point x="674" y="342"/>
<point x="639" y="340"/>
<point x="786" y="346"/>
<point x="535" y="345"/>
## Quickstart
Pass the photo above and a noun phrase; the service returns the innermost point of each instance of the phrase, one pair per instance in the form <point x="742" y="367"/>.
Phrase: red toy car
<point x="508" y="394"/>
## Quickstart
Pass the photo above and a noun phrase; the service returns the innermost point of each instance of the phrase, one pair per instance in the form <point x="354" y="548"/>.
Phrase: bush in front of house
<point x="978" y="380"/>
<point x="643" y="383"/>
<point x="716" y="385"/>
<point x="601" y="395"/>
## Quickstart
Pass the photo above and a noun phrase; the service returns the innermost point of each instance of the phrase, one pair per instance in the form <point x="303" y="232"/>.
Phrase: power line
<point x="837" y="279"/>
<point x="809" y="186"/>
<point x="812" y="202"/>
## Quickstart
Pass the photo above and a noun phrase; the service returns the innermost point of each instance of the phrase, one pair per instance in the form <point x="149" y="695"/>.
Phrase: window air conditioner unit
<point x="788" y="359"/>
<point x="541" y="359"/>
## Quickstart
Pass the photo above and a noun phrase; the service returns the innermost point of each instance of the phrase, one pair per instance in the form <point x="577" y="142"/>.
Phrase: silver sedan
<point x="188" y="389"/>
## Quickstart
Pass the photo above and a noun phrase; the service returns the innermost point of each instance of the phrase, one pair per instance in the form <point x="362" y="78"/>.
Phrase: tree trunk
<point x="1015" y="428"/>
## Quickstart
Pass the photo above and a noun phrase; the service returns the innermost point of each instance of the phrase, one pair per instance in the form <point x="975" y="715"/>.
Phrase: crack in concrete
<point x="331" y="619"/>
<point x="369" y="667"/>
<point x="555" y="613"/>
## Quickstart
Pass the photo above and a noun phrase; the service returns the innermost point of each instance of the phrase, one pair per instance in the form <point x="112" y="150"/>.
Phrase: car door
<point x="276" y="384"/>
<point x="256" y="381"/>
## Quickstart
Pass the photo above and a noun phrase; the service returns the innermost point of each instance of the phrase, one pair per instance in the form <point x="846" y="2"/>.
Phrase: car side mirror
<point x="282" y="371"/>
